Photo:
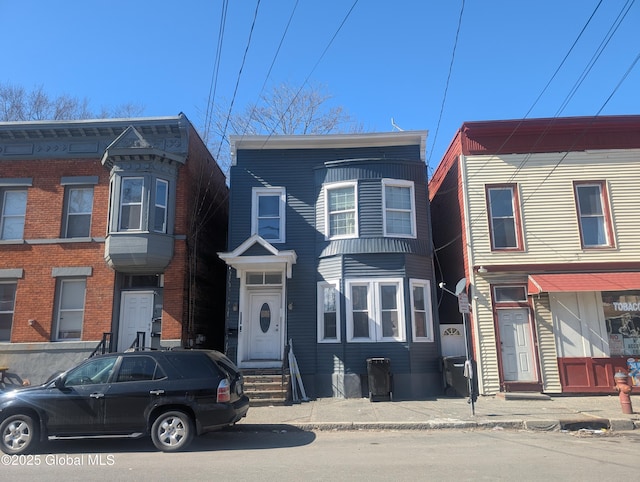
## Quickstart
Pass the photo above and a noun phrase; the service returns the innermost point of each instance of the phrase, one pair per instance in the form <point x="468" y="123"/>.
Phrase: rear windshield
<point x="192" y="365"/>
<point x="224" y="363"/>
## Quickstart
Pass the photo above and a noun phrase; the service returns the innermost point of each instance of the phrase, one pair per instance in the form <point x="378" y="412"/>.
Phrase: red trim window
<point x="594" y="219"/>
<point x="504" y="218"/>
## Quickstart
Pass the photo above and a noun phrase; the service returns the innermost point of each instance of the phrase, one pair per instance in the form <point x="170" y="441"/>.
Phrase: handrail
<point x="105" y="345"/>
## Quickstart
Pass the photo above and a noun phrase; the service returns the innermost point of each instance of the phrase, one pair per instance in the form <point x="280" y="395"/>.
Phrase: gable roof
<point x="239" y="260"/>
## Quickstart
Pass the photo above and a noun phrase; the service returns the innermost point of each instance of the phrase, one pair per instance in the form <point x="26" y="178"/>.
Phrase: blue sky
<point x="389" y="59"/>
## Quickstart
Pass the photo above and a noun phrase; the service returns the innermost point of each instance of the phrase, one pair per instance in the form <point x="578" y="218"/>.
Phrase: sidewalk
<point x="555" y="413"/>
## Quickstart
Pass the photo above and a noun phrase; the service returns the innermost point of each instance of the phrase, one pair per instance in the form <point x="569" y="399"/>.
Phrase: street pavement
<point x="513" y="411"/>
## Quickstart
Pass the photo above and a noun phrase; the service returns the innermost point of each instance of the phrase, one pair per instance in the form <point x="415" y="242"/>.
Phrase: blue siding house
<point x="330" y="248"/>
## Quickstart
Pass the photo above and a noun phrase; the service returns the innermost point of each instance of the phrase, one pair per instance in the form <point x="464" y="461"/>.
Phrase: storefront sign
<point x="616" y="344"/>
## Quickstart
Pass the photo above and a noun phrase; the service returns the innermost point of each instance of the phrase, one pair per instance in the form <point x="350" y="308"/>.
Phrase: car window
<point x="94" y="371"/>
<point x="137" y="368"/>
<point x="224" y="363"/>
<point x="192" y="365"/>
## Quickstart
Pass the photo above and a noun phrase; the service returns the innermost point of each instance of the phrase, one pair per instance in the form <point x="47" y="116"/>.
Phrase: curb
<point x="617" y="425"/>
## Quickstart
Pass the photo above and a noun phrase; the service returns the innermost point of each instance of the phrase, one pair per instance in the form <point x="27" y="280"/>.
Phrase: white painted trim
<point x="405" y="184"/>
<point x="426" y="287"/>
<point x="320" y="311"/>
<point x="256" y="192"/>
<point x="339" y="185"/>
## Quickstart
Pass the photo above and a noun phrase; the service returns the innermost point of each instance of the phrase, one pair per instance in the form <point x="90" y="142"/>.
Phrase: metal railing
<point x="105" y="345"/>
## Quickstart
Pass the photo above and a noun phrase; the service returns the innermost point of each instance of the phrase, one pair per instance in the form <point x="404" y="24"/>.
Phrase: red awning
<point x="545" y="283"/>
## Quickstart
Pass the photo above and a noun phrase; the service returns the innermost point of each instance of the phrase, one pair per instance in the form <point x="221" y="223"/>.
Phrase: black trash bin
<point x="380" y="379"/>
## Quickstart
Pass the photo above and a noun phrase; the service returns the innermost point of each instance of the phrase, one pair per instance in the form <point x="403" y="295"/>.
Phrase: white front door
<point x="265" y="326"/>
<point x="136" y="314"/>
<point x="516" y="345"/>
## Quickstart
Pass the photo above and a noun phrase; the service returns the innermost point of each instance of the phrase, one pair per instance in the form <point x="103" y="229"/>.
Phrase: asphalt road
<point x="348" y="455"/>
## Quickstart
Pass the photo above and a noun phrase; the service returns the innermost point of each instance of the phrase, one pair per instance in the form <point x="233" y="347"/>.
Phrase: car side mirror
<point x="59" y="382"/>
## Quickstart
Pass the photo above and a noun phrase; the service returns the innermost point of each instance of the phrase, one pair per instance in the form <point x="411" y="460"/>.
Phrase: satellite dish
<point x="460" y="287"/>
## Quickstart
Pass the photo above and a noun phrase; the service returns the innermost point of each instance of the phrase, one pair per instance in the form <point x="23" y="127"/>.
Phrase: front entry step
<point x="266" y="386"/>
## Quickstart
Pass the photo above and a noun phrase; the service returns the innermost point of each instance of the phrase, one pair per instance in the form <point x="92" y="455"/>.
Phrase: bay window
<point x="375" y="310"/>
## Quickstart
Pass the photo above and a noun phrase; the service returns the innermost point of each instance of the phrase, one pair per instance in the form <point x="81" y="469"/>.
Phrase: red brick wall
<point x="35" y="297"/>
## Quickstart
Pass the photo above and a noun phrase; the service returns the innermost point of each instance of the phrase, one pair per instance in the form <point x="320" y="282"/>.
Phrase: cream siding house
<point x="548" y="241"/>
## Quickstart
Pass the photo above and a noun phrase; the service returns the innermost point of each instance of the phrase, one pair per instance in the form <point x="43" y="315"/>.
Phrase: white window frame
<point x="426" y="289"/>
<point x="512" y="188"/>
<point x="375" y="309"/>
<point x="164" y="207"/>
<point x="281" y="192"/>
<point x="401" y="184"/>
<point x="69" y="214"/>
<point x="322" y="285"/>
<point x="4" y="216"/>
<point x="61" y="309"/>
<point x="327" y="213"/>
<point x="140" y="203"/>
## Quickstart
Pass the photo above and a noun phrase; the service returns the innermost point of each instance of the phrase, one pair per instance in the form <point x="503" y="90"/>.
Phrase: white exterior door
<point x="136" y="314"/>
<point x="516" y="345"/>
<point x="265" y="326"/>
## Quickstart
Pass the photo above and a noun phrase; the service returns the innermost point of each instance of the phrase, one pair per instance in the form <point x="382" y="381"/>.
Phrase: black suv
<point x="172" y="395"/>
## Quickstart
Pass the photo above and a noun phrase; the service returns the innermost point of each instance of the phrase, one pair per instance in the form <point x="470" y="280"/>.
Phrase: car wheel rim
<point x="171" y="431"/>
<point x="17" y="435"/>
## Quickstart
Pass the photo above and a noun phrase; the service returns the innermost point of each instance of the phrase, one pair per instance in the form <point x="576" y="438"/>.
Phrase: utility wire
<point x="216" y="70"/>
<point x="344" y="20"/>
<point x="446" y="88"/>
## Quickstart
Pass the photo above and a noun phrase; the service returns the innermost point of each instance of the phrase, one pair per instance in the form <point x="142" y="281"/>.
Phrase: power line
<point x="216" y="69"/>
<point x="344" y="20"/>
<point x="235" y="91"/>
<point x="446" y="88"/>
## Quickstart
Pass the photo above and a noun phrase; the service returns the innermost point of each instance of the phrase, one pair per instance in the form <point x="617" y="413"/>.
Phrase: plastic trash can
<point x="380" y="379"/>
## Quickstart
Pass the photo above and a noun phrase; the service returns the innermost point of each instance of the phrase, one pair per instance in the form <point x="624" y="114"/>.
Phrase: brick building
<point x="107" y="227"/>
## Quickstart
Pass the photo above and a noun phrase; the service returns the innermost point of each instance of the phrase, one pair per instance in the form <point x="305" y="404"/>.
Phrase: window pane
<point x="593" y="231"/>
<point x="80" y="200"/>
<point x="269" y="228"/>
<point x="388" y="296"/>
<point x="273" y="278"/>
<point x="132" y="190"/>
<point x="359" y="297"/>
<point x="389" y="324"/>
<point x="589" y="199"/>
<point x="255" y="278"/>
<point x="501" y="202"/>
<point x="398" y="197"/>
<point x="7" y="300"/>
<point x="421" y="324"/>
<point x="360" y="325"/>
<point x="14" y="208"/>
<point x="160" y="211"/>
<point x="399" y="222"/>
<point x="79" y="226"/>
<point x="329" y="299"/>
<point x="341" y="199"/>
<point x="130" y="218"/>
<point x="268" y="206"/>
<point x="330" y="330"/>
<point x="418" y="298"/>
<point x="504" y="233"/>
<point x="510" y="293"/>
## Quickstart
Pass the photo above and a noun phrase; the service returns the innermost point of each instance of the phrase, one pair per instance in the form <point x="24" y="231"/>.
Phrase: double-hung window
<point x="268" y="213"/>
<point x="593" y="216"/>
<point x="503" y="217"/>
<point x="7" y="303"/>
<point x="13" y="211"/>
<point x="131" y="199"/>
<point x="71" y="298"/>
<point x="341" y="210"/>
<point x="399" y="208"/>
<point x="328" y="312"/>
<point x="79" y="206"/>
<point x="160" y="212"/>
<point x="375" y="310"/>
<point x="421" y="310"/>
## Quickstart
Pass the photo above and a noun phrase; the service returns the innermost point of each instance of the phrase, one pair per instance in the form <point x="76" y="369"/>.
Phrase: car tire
<point x="18" y="434"/>
<point x="172" y="431"/>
